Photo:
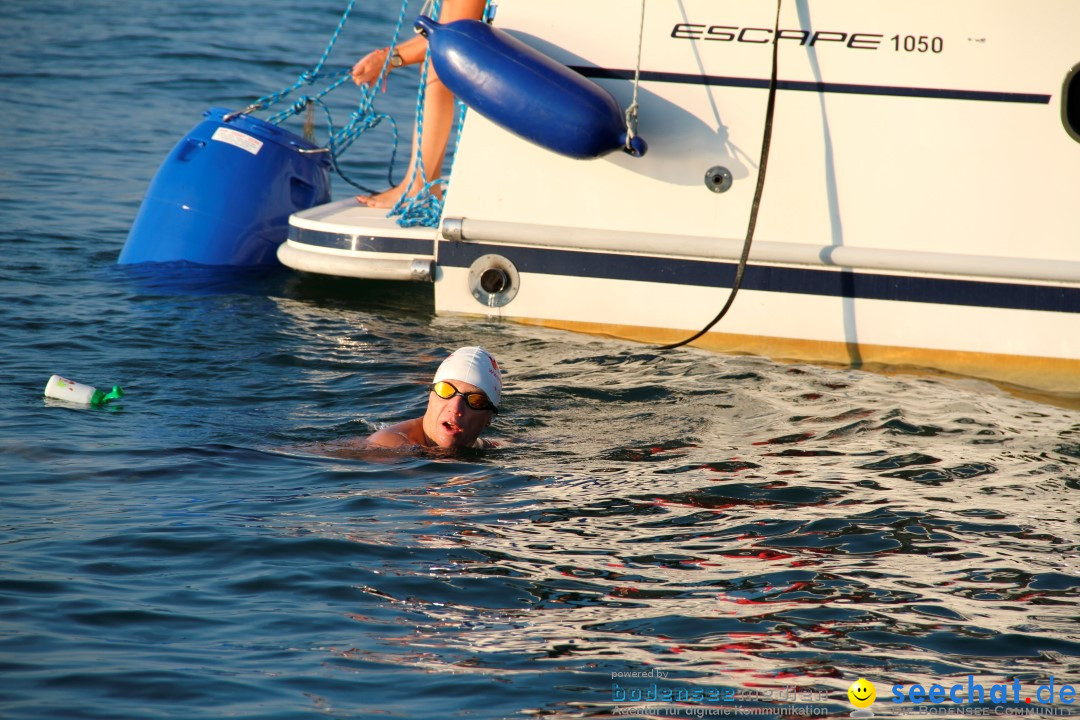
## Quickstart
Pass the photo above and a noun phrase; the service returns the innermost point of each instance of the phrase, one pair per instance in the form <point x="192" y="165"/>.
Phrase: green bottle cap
<point x="100" y="397"/>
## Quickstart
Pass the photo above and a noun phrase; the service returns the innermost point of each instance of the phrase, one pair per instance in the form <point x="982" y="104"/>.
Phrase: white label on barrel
<point x="239" y="139"/>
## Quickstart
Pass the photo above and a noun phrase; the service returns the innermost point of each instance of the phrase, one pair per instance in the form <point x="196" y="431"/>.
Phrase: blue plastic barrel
<point x="526" y="92"/>
<point x="224" y="194"/>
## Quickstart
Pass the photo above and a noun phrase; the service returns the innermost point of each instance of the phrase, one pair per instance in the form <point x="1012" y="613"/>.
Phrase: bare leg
<point x="438" y="120"/>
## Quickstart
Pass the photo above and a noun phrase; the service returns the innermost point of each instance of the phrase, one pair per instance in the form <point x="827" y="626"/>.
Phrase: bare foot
<point x="389" y="198"/>
<point x="385" y="199"/>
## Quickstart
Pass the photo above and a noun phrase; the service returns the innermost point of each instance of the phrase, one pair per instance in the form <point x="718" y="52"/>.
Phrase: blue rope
<point x="301" y="103"/>
<point x="308" y="76"/>
<point x="364" y="118"/>
<point x="425" y="209"/>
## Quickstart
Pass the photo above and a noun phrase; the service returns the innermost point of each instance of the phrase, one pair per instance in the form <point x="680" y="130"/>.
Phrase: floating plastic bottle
<point x="70" y="391"/>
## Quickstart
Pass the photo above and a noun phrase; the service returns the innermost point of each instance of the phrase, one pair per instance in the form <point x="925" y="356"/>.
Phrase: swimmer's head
<point x="464" y="398"/>
<point x="476" y="366"/>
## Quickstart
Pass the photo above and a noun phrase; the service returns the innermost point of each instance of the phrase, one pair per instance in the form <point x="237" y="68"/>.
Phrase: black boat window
<point x="1070" y="103"/>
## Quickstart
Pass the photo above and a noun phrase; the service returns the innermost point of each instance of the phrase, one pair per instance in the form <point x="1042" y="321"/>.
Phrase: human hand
<point x="367" y="69"/>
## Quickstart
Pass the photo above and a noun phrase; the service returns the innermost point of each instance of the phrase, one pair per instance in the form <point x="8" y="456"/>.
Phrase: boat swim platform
<point x="347" y="239"/>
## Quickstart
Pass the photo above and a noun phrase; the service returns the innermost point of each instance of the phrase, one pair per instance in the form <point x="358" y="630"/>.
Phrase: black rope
<point x="765" y="143"/>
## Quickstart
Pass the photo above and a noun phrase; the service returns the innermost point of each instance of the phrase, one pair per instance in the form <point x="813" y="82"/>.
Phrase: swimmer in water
<point x="463" y="400"/>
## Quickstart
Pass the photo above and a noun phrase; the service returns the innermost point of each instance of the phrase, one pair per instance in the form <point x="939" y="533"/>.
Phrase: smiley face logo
<point x="862" y="693"/>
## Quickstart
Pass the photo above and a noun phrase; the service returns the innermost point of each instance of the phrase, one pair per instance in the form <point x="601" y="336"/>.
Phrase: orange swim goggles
<point x="475" y="399"/>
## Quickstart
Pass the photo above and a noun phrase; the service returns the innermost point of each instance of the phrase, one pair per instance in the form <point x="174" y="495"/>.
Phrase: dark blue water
<point x="213" y="547"/>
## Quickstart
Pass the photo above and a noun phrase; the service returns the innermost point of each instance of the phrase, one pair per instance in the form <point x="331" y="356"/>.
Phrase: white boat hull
<point x="920" y="204"/>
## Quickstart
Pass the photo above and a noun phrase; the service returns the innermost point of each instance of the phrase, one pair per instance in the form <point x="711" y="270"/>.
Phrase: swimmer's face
<point x="862" y="693"/>
<point x="452" y="423"/>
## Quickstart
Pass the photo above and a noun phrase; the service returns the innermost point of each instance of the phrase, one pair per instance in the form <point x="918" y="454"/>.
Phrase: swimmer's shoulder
<point x="394" y="436"/>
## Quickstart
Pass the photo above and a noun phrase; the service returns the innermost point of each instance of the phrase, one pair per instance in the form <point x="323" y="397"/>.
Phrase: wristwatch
<point x="396" y="60"/>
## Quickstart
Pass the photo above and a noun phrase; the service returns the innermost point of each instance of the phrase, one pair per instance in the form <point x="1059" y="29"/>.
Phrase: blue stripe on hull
<point x="803" y="281"/>
<point x="361" y="243"/>
<point x="822" y="87"/>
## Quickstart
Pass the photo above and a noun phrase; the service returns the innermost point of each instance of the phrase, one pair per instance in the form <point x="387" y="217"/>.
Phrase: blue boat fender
<point x="526" y="92"/>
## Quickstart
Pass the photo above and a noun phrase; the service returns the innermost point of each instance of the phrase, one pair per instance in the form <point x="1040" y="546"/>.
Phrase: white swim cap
<point x="475" y="366"/>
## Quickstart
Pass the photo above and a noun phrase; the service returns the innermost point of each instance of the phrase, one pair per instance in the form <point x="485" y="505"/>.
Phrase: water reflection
<point x="745" y="524"/>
